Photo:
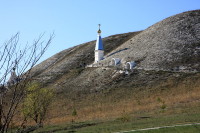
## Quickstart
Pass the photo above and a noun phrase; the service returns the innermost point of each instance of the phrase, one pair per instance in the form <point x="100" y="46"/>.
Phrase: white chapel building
<point x="99" y="49"/>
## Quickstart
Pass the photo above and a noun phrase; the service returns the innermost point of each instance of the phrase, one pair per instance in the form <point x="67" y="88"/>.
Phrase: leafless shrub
<point x="20" y="60"/>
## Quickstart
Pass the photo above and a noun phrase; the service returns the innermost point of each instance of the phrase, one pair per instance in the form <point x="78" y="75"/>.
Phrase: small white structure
<point x="13" y="78"/>
<point x="115" y="61"/>
<point x="99" y="50"/>
<point x="130" y="65"/>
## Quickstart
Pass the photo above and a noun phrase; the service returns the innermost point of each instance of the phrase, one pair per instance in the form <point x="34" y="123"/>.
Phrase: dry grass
<point x="174" y="98"/>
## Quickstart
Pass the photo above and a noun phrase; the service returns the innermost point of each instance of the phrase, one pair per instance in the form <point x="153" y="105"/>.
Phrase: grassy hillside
<point x="163" y="89"/>
<point x="133" y="124"/>
<point x="140" y="94"/>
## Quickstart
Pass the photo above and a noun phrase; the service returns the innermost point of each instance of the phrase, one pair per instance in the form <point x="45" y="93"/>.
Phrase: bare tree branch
<point x="14" y="59"/>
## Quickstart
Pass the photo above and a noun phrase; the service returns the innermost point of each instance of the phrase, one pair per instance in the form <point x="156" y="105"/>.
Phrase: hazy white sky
<point x="76" y="21"/>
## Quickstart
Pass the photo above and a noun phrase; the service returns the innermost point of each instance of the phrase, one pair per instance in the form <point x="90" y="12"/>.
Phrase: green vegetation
<point x="74" y="112"/>
<point x="182" y="129"/>
<point x="37" y="102"/>
<point x="133" y="124"/>
<point x="163" y="106"/>
<point x="125" y="117"/>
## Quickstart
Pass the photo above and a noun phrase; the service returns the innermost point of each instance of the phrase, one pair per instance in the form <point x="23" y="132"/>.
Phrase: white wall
<point x="99" y="55"/>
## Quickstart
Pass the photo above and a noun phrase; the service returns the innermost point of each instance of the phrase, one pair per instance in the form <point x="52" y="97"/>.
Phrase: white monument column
<point x="99" y="50"/>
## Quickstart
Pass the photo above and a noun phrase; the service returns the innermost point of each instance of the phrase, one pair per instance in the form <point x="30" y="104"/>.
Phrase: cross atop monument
<point x="99" y="31"/>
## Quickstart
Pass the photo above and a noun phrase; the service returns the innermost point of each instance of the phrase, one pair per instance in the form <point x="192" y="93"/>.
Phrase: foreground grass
<point x="126" y="123"/>
<point x="183" y="129"/>
<point x="168" y="101"/>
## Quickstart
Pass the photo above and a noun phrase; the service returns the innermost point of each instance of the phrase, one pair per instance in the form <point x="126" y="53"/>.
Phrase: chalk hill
<point x="173" y="42"/>
<point x="167" y="53"/>
<point x="76" y="57"/>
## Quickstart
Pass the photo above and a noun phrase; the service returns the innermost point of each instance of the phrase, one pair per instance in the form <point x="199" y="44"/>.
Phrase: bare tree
<point x="17" y="60"/>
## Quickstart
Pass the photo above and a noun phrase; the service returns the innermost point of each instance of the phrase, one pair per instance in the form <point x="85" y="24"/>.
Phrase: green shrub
<point x="36" y="102"/>
<point x="124" y="118"/>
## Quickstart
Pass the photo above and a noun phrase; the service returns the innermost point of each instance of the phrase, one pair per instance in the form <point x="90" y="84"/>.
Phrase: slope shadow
<point x="117" y="52"/>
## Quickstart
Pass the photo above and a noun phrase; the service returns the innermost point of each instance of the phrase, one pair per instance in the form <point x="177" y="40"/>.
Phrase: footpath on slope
<point x="153" y="128"/>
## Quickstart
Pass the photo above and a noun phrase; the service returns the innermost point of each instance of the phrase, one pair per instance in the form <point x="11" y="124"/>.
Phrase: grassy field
<point x="168" y="93"/>
<point x="185" y="129"/>
<point x="166" y="99"/>
<point x="127" y="123"/>
<point x="182" y="129"/>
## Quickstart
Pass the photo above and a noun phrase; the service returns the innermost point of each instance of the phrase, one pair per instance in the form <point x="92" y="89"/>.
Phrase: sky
<point x="76" y="21"/>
